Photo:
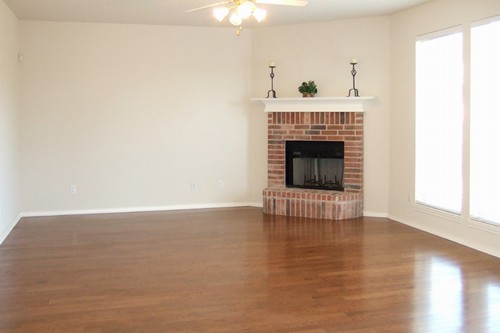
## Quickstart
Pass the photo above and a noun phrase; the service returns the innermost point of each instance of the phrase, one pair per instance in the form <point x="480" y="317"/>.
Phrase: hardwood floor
<point x="237" y="270"/>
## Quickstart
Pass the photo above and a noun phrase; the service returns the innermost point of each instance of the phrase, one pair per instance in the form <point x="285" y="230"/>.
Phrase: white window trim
<point x="458" y="217"/>
<point x="477" y="222"/>
<point x="440" y="33"/>
<point x="485" y="21"/>
<point x="464" y="217"/>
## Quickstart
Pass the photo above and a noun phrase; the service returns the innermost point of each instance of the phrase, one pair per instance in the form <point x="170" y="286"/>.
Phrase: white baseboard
<point x="6" y="231"/>
<point x="139" y="209"/>
<point x="473" y="245"/>
<point x="375" y="214"/>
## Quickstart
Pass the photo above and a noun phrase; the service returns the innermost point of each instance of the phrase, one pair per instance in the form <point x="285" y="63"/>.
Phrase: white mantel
<point x="314" y="104"/>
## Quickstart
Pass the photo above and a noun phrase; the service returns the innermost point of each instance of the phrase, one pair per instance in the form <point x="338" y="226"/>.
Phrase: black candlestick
<point x="353" y="72"/>
<point x="269" y="92"/>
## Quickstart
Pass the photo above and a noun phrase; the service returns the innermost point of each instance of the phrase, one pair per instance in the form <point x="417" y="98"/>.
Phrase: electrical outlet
<point x="0" y="210"/>
<point x="410" y="197"/>
<point x="194" y="186"/>
<point x="72" y="189"/>
<point x="220" y="184"/>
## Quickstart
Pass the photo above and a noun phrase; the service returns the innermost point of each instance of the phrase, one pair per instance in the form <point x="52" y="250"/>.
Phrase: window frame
<point x="482" y="223"/>
<point x="423" y="206"/>
<point x="465" y="218"/>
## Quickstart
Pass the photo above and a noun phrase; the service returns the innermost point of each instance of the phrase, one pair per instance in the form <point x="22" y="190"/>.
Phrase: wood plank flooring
<point x="237" y="270"/>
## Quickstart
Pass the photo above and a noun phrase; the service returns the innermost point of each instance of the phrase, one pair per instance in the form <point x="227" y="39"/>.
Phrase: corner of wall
<point x="5" y="233"/>
<point x="9" y="122"/>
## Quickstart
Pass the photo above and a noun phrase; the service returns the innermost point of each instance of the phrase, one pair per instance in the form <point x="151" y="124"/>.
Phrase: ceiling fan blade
<point x="283" y="2"/>
<point x="208" y="6"/>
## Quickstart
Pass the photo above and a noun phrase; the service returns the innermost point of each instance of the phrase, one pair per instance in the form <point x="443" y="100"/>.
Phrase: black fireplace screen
<point x="315" y="164"/>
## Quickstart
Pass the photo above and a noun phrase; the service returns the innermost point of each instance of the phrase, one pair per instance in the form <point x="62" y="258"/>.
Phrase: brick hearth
<point x="315" y="126"/>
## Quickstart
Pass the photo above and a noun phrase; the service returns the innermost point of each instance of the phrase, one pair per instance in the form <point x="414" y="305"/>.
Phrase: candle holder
<point x="272" y="93"/>
<point x="353" y="73"/>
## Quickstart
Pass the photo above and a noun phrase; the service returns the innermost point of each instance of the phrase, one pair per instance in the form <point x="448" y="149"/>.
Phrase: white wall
<point x="9" y="145"/>
<point x="101" y="110"/>
<point x="322" y="52"/>
<point x="131" y="114"/>
<point x="405" y="27"/>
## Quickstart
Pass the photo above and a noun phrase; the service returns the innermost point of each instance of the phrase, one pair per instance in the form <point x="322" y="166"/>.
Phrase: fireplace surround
<point x="345" y="127"/>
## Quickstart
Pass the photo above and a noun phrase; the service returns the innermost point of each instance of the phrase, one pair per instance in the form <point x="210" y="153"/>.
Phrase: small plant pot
<point x="308" y="89"/>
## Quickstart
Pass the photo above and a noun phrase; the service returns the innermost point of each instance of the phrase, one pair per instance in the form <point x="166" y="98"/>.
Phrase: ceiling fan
<point x="243" y="9"/>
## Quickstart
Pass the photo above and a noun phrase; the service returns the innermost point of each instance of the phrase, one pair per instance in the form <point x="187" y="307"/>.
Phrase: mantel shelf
<point x="315" y="104"/>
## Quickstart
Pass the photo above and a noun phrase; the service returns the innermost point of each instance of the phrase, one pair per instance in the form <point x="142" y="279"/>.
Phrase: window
<point x="485" y="122"/>
<point x="439" y="120"/>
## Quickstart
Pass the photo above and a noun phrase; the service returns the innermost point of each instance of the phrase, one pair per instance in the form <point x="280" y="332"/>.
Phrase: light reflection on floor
<point x="445" y="294"/>
<point x="439" y="298"/>
<point x="493" y="300"/>
<point x="442" y="307"/>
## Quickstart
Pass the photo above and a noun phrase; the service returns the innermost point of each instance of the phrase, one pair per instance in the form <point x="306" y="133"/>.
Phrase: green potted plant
<point x="308" y="89"/>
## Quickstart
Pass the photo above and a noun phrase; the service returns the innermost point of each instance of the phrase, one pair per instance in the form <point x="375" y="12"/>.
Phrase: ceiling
<point x="171" y="12"/>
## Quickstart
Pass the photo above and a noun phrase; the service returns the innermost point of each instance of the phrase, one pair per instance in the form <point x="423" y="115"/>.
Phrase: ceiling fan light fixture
<point x="235" y="19"/>
<point x="239" y="10"/>
<point x="245" y="10"/>
<point x="259" y="14"/>
<point x="220" y="13"/>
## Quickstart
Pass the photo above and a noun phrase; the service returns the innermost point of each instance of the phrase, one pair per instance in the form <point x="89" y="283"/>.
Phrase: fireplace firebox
<point x="315" y="165"/>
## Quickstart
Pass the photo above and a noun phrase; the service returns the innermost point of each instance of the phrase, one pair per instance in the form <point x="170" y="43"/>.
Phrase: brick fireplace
<point x="315" y="126"/>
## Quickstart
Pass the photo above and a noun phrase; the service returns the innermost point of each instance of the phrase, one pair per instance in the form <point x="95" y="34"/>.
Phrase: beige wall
<point x="322" y="52"/>
<point x="101" y="110"/>
<point x="405" y="27"/>
<point x="9" y="148"/>
<point x="131" y="115"/>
